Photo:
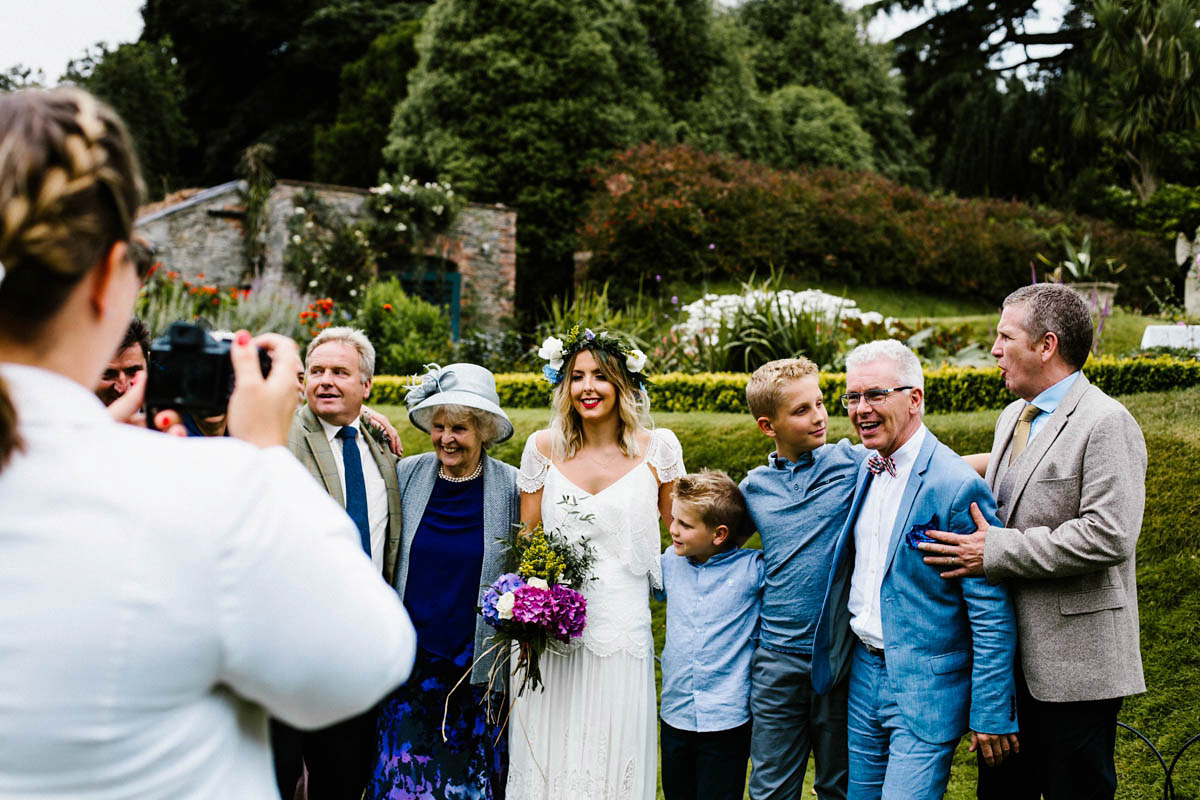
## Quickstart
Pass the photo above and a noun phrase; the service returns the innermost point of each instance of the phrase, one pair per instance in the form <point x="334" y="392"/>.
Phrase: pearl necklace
<point x="478" y="471"/>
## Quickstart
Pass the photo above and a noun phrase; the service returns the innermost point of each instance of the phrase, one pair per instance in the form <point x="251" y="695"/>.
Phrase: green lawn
<point x="1168" y="561"/>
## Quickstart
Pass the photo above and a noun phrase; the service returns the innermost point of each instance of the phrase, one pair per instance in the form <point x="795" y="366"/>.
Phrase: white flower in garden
<point x="309" y="225"/>
<point x="504" y="605"/>
<point x="354" y="292"/>
<point x="312" y="284"/>
<point x="299" y="210"/>
<point x="295" y="238"/>
<point x="438" y="209"/>
<point x="401" y="227"/>
<point x="552" y="351"/>
<point x="537" y="583"/>
<point x="635" y="360"/>
<point x="387" y="209"/>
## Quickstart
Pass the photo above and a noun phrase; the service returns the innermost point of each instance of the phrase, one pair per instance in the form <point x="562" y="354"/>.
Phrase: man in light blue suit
<point x="928" y="659"/>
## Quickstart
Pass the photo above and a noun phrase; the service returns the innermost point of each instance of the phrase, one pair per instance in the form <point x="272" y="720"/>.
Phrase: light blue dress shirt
<point x="1048" y="402"/>
<point x="712" y="622"/>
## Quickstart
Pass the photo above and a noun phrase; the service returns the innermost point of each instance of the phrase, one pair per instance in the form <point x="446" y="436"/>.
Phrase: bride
<point x="598" y="473"/>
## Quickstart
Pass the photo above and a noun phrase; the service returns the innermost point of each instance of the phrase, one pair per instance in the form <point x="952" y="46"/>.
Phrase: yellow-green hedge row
<point x="946" y="390"/>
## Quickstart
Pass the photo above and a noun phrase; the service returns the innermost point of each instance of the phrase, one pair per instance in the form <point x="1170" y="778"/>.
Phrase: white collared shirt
<point x="377" y="508"/>
<point x="872" y="537"/>
<point x="160" y="597"/>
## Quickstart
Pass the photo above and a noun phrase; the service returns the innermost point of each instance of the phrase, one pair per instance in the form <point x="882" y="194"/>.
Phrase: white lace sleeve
<point x="532" y="474"/>
<point x="666" y="455"/>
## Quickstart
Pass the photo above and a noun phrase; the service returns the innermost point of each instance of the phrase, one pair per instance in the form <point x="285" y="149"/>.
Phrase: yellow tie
<point x="1021" y="433"/>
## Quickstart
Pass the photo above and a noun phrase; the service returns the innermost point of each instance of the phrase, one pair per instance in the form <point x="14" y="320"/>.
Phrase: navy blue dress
<point x="441" y="593"/>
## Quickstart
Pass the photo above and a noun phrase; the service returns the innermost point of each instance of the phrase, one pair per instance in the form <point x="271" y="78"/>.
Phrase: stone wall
<point x="201" y="233"/>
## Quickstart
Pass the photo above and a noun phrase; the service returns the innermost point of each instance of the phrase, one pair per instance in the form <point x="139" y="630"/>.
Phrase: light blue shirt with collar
<point x="712" y="626"/>
<point x="1048" y="402"/>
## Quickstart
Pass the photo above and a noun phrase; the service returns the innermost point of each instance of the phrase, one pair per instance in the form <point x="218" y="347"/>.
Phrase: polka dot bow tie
<point x="878" y="464"/>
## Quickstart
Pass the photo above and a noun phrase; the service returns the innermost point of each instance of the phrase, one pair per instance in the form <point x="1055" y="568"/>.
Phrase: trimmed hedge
<point x="947" y="389"/>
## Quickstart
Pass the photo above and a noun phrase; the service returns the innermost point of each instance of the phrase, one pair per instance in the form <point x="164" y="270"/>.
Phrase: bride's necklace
<point x="604" y="463"/>
<point x="478" y="471"/>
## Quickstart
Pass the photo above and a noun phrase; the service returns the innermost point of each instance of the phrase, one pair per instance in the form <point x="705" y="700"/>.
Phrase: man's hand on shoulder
<point x="383" y="430"/>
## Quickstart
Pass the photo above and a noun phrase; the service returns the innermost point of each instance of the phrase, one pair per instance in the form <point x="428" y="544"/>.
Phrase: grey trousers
<point x="790" y="720"/>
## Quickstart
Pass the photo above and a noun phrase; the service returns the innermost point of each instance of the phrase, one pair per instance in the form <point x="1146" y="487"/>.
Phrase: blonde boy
<point x="713" y="591"/>
<point x="798" y="501"/>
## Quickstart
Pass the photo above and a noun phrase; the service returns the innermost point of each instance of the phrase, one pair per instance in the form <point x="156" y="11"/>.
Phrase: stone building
<point x="201" y="232"/>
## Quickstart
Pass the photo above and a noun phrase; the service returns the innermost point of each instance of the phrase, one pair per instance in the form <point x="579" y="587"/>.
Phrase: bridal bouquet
<point x="538" y="600"/>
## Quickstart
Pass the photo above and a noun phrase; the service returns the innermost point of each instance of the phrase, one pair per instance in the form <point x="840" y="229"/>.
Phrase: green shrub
<point x="690" y="216"/>
<point x="407" y="332"/>
<point x="947" y="389"/>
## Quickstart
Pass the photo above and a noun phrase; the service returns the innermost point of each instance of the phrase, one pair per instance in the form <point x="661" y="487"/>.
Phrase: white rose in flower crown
<point x="552" y="351"/>
<point x="537" y="583"/>
<point x="635" y="360"/>
<point x="504" y="605"/>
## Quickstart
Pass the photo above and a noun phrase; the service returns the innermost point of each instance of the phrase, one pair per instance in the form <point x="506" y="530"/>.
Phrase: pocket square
<point x="918" y="533"/>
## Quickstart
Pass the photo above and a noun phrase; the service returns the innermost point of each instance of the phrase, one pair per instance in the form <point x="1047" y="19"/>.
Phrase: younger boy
<point x="713" y="591"/>
<point x="799" y="502"/>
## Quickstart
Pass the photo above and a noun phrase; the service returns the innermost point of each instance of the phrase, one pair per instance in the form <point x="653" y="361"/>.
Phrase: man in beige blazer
<point x="1068" y="468"/>
<point x="335" y="441"/>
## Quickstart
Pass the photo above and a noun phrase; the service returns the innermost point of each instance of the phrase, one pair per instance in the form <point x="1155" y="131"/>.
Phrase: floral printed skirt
<point x="414" y="761"/>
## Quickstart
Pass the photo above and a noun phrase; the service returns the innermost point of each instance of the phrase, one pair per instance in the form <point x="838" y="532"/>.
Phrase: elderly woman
<point x="457" y="503"/>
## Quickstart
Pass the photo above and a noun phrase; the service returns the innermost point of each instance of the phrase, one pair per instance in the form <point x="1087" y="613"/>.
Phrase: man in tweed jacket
<point x="1070" y="502"/>
<point x="339" y="365"/>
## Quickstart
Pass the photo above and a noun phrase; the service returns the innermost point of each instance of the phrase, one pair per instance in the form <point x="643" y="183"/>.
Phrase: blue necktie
<point x="356" y="487"/>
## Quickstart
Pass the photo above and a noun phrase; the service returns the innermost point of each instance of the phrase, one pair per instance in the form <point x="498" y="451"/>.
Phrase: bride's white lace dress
<point x="591" y="734"/>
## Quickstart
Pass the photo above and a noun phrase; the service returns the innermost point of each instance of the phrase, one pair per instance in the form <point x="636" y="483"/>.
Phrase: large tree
<point x="817" y="43"/>
<point x="515" y="101"/>
<point x="264" y="71"/>
<point x="142" y="81"/>
<point x="350" y="150"/>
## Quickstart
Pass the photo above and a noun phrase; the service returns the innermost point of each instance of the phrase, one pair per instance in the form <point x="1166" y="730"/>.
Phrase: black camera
<point x="192" y="371"/>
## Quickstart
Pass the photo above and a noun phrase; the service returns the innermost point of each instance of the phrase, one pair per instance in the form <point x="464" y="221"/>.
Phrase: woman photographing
<point x="158" y="596"/>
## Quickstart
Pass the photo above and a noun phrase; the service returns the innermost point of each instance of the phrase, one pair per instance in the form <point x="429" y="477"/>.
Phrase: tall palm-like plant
<point x="1147" y="82"/>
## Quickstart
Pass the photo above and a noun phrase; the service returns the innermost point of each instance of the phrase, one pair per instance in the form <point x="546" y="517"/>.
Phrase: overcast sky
<point x="49" y="33"/>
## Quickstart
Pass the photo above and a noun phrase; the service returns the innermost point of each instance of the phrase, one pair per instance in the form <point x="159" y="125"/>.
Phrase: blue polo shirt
<point x="712" y="616"/>
<point x="799" y="509"/>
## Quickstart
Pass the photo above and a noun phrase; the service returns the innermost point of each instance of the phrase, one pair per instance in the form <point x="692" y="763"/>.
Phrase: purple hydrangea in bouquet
<point x="538" y="601"/>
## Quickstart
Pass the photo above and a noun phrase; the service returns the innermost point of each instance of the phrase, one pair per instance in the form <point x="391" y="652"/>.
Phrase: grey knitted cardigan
<point x="501" y="510"/>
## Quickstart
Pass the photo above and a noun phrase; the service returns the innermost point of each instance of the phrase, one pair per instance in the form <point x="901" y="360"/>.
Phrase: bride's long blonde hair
<point x="632" y="408"/>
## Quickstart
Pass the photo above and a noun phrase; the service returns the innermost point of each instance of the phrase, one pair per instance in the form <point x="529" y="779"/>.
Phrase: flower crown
<point x="559" y="351"/>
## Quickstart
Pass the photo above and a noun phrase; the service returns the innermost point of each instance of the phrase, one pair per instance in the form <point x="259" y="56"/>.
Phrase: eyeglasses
<point x="874" y="397"/>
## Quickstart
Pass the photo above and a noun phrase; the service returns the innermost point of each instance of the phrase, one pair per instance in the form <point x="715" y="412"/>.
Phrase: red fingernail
<point x="243" y="338"/>
<point x="161" y="421"/>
